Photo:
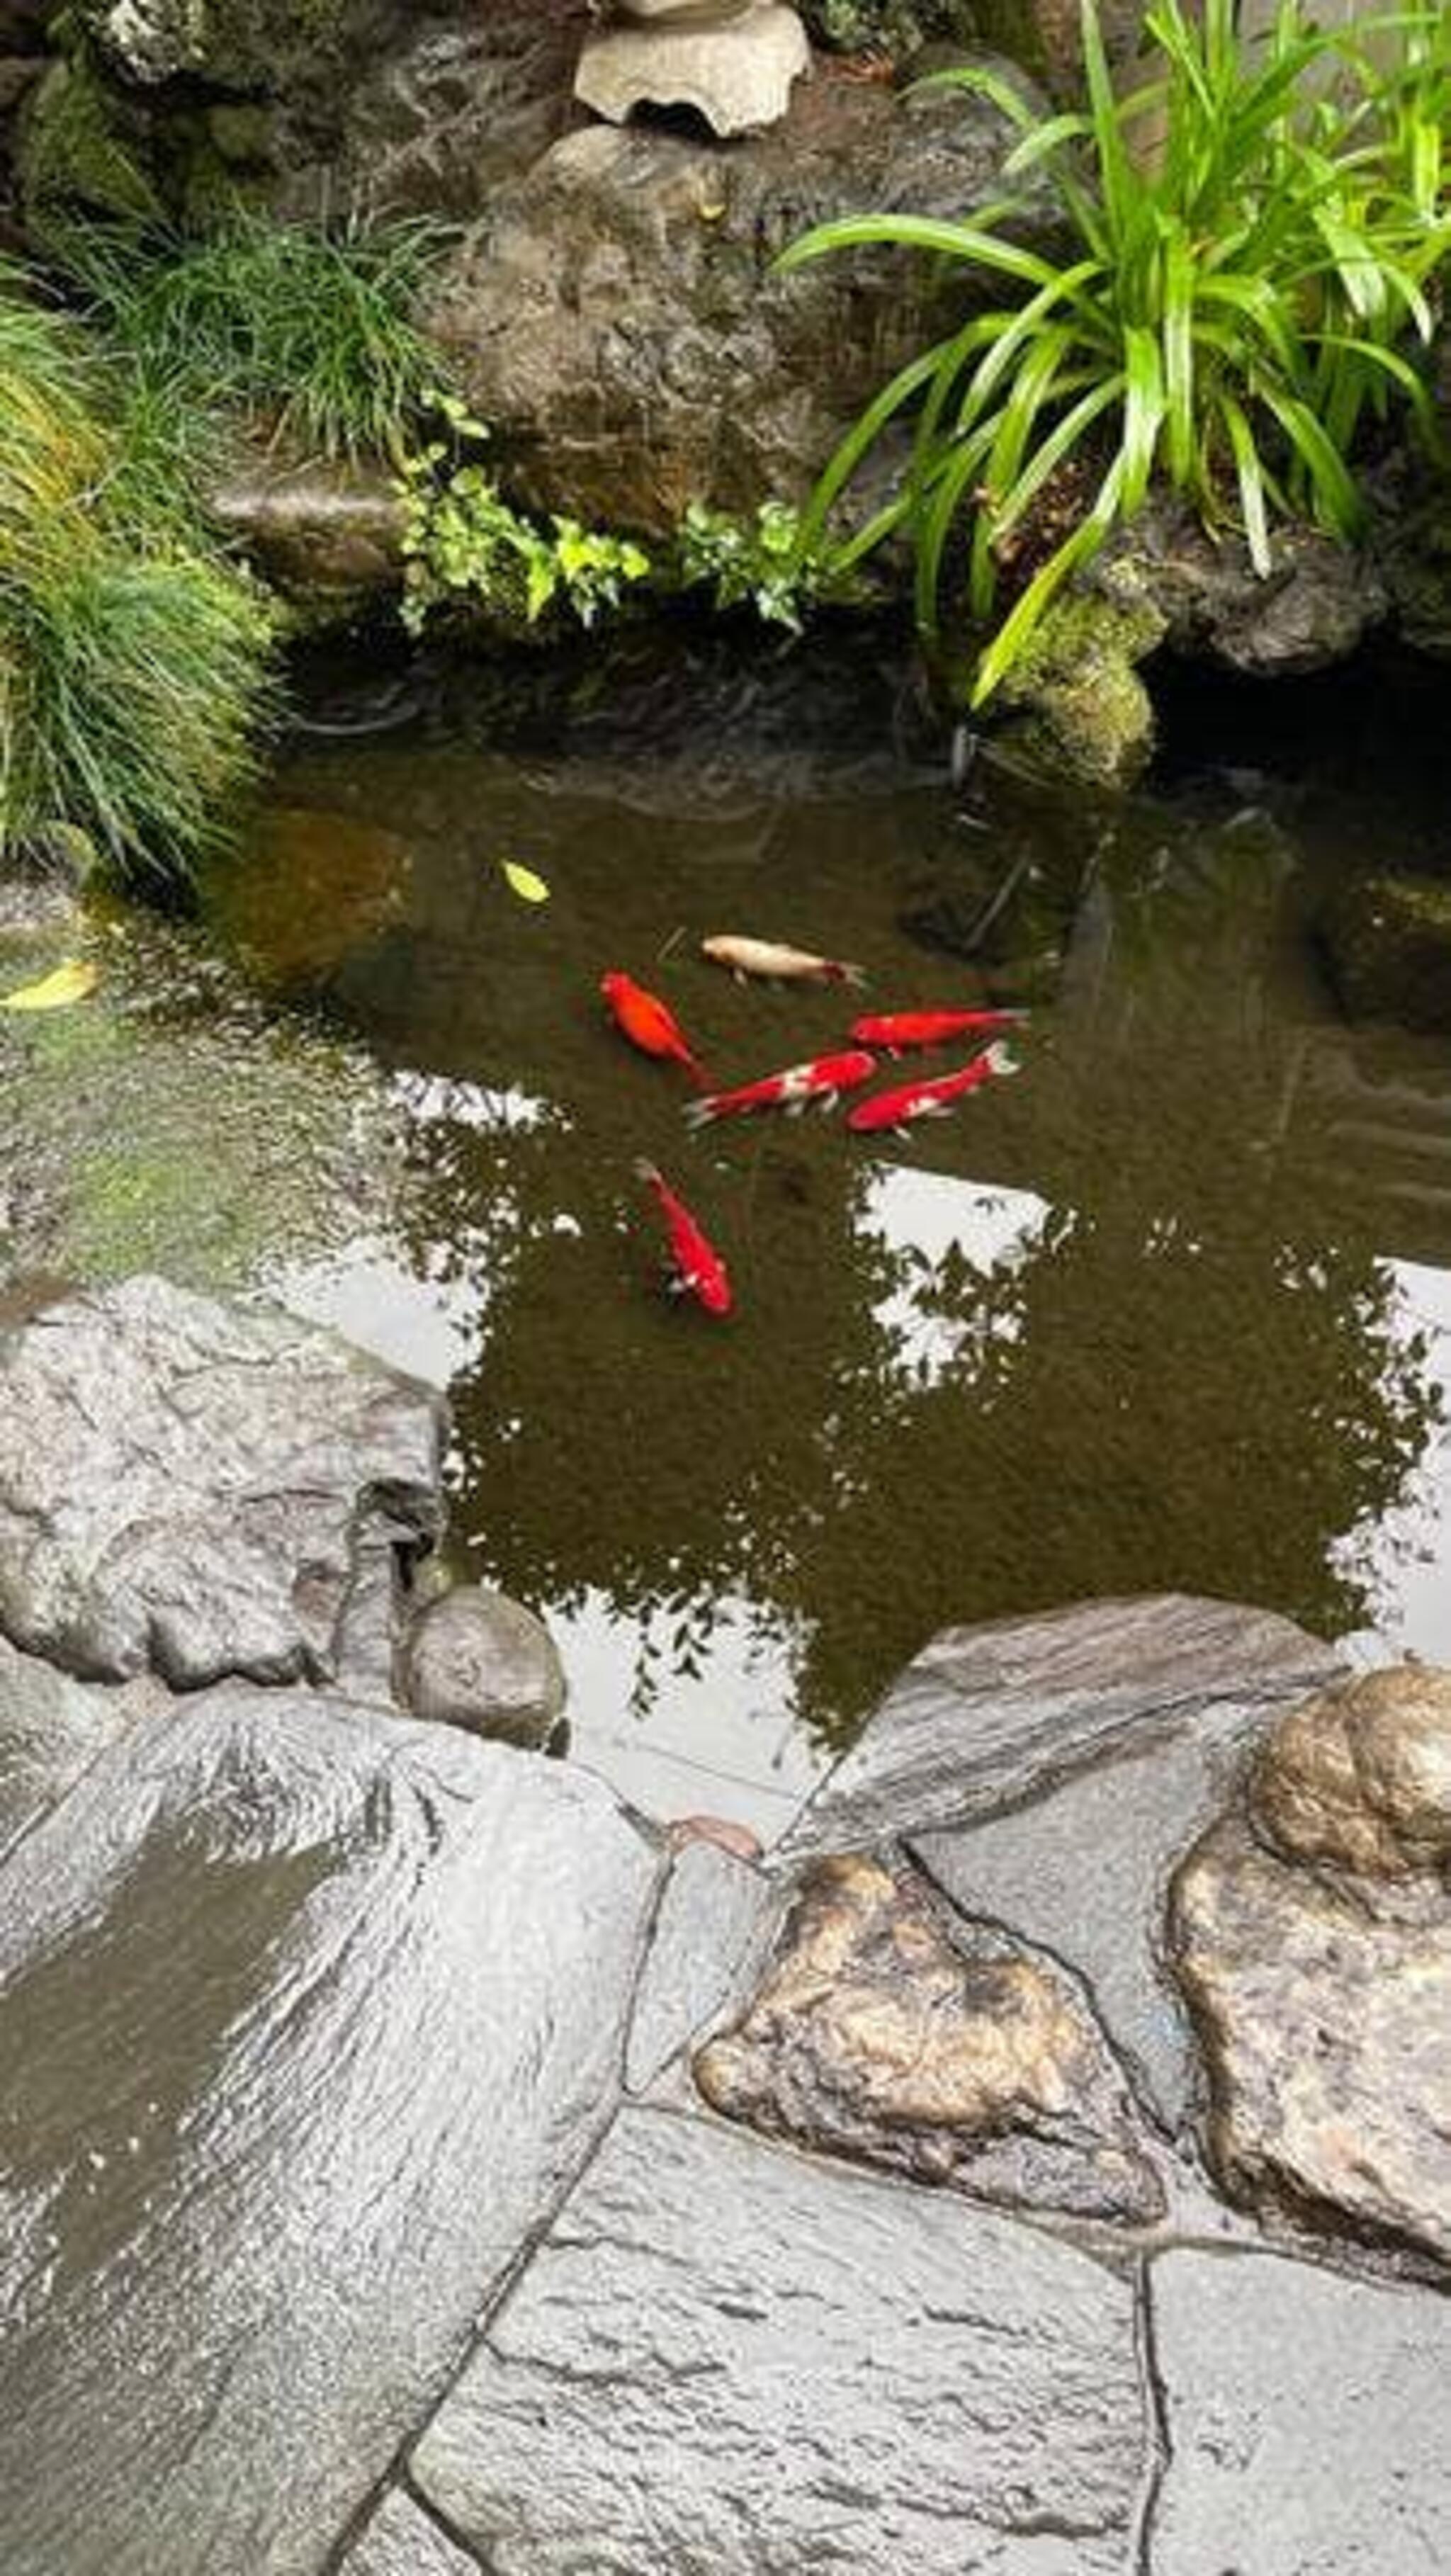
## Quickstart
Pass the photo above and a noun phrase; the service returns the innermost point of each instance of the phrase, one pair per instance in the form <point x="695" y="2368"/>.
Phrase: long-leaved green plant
<point x="1252" y="239"/>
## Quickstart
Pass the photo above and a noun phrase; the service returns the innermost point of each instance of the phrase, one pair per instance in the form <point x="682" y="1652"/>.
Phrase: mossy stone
<point x="1075" y="700"/>
<point x="894" y="27"/>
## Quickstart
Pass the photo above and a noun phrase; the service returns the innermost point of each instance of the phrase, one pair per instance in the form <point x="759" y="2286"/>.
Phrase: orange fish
<point x="898" y="1029"/>
<point x="645" y="1021"/>
<point x="699" y="1270"/>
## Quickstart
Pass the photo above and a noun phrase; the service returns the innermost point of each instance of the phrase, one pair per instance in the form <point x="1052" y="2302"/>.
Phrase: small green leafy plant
<point x="464" y="544"/>
<point x="1231" y="314"/>
<point x="767" y="566"/>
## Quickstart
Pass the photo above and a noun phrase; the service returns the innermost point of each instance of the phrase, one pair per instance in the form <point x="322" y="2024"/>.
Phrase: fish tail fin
<point x="697" y="1073"/>
<point x="646" y="1171"/>
<point x="699" y="1113"/>
<point x="838" y="972"/>
<point x="1001" y="1057"/>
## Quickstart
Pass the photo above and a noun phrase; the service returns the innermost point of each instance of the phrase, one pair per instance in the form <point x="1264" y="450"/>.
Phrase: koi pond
<point x="1170" y="1310"/>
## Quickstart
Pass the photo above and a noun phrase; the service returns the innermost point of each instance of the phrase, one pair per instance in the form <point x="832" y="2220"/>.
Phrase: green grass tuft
<point x="308" y="334"/>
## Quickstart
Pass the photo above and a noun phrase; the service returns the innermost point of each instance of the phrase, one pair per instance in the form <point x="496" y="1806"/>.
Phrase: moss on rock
<point x="1075" y="701"/>
<point x="895" y="27"/>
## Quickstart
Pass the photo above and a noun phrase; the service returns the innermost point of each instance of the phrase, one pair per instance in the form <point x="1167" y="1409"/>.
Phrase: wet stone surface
<point x="987" y="1717"/>
<point x="308" y="2015"/>
<point x="714" y="1916"/>
<point x="187" y="1487"/>
<point x="730" y="2361"/>
<point x="933" y="2048"/>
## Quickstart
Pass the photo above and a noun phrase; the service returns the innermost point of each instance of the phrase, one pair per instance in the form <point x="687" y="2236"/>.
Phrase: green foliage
<point x="134" y="662"/>
<point x="309" y="333"/>
<point x="74" y="153"/>
<point x="466" y="546"/>
<point x="1229" y="317"/>
<point x="766" y="567"/>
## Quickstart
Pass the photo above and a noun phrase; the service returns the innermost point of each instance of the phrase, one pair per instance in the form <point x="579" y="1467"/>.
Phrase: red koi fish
<point x="823" y="1080"/>
<point x="699" y="1270"/>
<point x="645" y="1021"/>
<point x="929" y="1099"/>
<point x="901" y="1029"/>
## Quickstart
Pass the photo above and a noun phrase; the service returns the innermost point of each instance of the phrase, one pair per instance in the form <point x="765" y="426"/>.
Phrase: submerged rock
<point x="190" y="1488"/>
<point x="326" y="534"/>
<point x="736" y="2362"/>
<point x="1388" y="940"/>
<point x="478" y="1660"/>
<point x="949" y="2055"/>
<point x="1312" y="1932"/>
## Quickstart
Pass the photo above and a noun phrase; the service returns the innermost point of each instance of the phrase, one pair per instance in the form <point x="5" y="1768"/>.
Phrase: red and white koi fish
<point x="699" y="1270"/>
<point x="778" y="965"/>
<point x="897" y="1030"/>
<point x="644" y="1019"/>
<point x="823" y="1080"/>
<point x="911" y="1100"/>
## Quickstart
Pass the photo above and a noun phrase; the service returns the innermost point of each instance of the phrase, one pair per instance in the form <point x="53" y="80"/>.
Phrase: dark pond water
<point x="1171" y="1309"/>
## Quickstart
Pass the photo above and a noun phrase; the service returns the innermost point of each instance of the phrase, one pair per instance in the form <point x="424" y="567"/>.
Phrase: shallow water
<point x="1172" y="1309"/>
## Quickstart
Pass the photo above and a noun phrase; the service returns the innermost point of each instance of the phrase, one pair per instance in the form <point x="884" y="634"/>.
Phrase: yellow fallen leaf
<point x="73" y="982"/>
<point x="527" y="886"/>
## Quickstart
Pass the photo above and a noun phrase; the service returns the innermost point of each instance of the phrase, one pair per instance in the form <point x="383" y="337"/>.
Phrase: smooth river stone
<point x="726" y="2360"/>
<point x="193" y="1487"/>
<point x="1305" y="2422"/>
<point x="306" y="2017"/>
<point x="989" y="1716"/>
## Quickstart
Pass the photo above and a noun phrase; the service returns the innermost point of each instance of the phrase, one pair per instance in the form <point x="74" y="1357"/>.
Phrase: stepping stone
<point x="726" y="2360"/>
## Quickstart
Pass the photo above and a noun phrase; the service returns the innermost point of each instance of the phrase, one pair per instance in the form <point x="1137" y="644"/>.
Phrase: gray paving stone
<point x="727" y="2360"/>
<point x="714" y="1917"/>
<point x="990" y="1716"/>
<point x="400" y="2539"/>
<point x="1307" y="2420"/>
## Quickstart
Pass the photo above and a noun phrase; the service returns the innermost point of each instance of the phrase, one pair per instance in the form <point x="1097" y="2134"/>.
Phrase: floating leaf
<point x="527" y="886"/>
<point x="73" y="982"/>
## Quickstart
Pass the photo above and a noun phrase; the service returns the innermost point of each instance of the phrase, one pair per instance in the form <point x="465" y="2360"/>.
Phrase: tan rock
<point x="735" y="67"/>
<point x="1360" y="1777"/>
<point x="953" y="2055"/>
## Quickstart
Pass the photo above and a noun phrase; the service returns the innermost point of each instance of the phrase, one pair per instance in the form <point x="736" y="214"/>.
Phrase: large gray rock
<point x="1312" y="1932"/>
<point x="726" y="2361"/>
<point x="51" y="1730"/>
<point x="989" y="1716"/>
<point x="193" y="1487"/>
<point x="1304" y="2420"/>
<point x="613" y="302"/>
<point x="308" y="2015"/>
<point x="935" y="2048"/>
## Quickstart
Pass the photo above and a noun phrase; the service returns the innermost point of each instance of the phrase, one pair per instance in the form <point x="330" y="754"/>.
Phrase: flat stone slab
<point x="51" y="1730"/>
<point x="1306" y="2422"/>
<point x="989" y="1716"/>
<point x="192" y="1487"/>
<point x="306" y="2017"/>
<point x="400" y="2539"/>
<point x="731" y="2361"/>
